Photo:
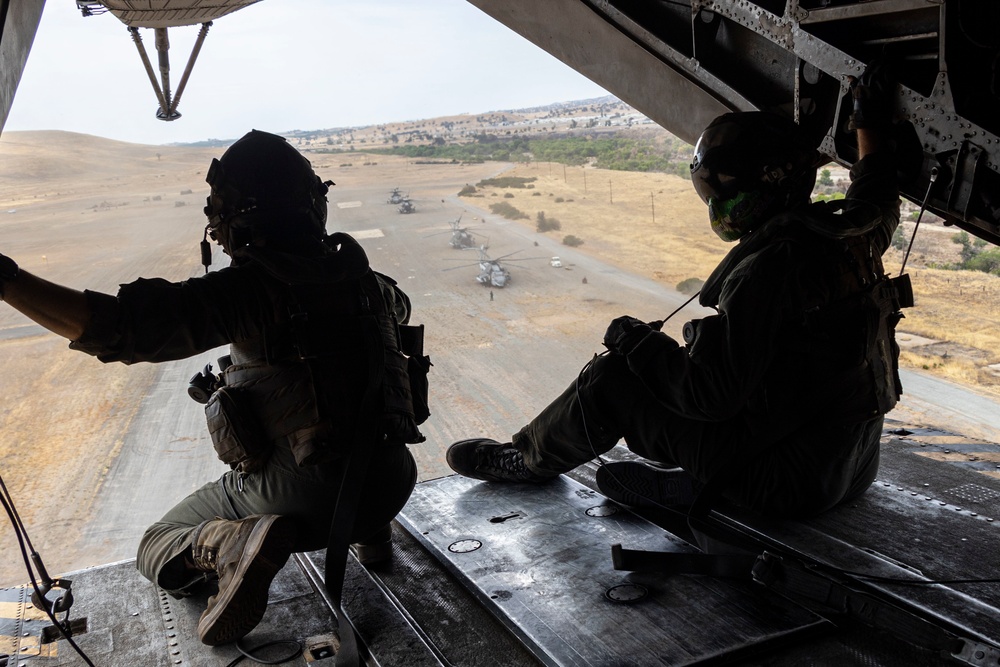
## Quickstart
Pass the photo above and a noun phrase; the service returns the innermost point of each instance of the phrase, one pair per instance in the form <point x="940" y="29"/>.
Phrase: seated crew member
<point x="288" y="305"/>
<point x="781" y="395"/>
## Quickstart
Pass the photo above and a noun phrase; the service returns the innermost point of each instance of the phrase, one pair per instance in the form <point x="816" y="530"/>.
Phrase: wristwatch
<point x="8" y="271"/>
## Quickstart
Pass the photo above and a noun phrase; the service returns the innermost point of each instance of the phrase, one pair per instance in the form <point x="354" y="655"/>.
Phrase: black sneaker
<point x="490" y="461"/>
<point x="638" y="484"/>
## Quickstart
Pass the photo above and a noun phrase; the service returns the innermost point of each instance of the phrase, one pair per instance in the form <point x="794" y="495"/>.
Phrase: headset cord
<point x="254" y="653"/>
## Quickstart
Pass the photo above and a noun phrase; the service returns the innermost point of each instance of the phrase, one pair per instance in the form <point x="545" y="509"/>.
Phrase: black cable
<point x="896" y="580"/>
<point x="251" y="653"/>
<point x="22" y="537"/>
<point x="923" y="206"/>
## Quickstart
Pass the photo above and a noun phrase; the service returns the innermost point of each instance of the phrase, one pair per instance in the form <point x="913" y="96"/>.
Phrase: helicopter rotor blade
<point x="464" y="266"/>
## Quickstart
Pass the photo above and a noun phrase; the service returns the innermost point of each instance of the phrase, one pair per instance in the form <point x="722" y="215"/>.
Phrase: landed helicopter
<point x="407" y="206"/>
<point x="395" y="197"/>
<point x="492" y="273"/>
<point x="461" y="237"/>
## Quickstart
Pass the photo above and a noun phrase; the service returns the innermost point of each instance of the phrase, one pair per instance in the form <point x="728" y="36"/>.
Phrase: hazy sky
<point x="282" y="65"/>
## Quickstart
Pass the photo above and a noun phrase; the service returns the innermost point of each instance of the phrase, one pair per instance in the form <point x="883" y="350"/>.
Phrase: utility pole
<point x="585" y="181"/>
<point x="652" y="207"/>
<point x="611" y="191"/>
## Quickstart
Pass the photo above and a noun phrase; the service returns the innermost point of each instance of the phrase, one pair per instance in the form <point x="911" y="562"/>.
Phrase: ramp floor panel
<point x="929" y="516"/>
<point x="539" y="557"/>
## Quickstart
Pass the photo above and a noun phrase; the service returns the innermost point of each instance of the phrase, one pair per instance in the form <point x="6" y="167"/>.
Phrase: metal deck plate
<point x="540" y="558"/>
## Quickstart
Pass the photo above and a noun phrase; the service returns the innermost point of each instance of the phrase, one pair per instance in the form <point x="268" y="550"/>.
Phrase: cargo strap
<point x="351" y="484"/>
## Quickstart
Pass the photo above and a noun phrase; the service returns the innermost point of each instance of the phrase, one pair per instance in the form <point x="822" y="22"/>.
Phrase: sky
<point x="282" y="65"/>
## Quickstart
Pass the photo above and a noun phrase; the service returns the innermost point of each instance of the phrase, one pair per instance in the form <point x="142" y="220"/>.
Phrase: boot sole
<point x="638" y="485"/>
<point x="240" y="607"/>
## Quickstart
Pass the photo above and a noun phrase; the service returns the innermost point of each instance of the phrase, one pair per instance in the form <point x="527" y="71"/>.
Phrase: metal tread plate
<point x="539" y="558"/>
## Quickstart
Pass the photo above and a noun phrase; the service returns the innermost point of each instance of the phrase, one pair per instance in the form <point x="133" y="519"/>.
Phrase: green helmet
<point x="750" y="165"/>
<point x="261" y="187"/>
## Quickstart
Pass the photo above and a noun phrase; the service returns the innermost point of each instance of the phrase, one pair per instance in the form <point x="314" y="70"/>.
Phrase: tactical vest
<point x="838" y="361"/>
<point x="302" y="380"/>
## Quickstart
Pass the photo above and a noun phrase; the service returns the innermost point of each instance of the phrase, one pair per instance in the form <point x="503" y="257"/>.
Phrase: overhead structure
<point x="683" y="62"/>
<point x="159" y="15"/>
<point x="18" y="24"/>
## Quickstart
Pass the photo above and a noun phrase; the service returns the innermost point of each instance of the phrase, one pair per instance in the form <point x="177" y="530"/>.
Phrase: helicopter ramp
<point x="539" y="558"/>
<point x="504" y="575"/>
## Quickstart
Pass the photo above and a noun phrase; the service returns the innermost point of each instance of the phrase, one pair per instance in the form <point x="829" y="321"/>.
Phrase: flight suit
<point x="776" y="392"/>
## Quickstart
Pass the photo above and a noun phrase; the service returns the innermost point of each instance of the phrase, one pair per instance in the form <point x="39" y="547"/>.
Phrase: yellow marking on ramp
<point x="348" y="204"/>
<point x="942" y="440"/>
<point x="367" y="234"/>
<point x="961" y="456"/>
<point x="27" y="647"/>
<point x="14" y="610"/>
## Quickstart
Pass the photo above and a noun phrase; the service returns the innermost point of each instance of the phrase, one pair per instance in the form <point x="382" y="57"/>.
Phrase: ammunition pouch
<point x="869" y="386"/>
<point x="411" y="342"/>
<point x="281" y="401"/>
<point x="237" y="436"/>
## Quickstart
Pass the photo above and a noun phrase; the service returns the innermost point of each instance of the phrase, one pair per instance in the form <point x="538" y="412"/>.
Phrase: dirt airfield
<point x="93" y="213"/>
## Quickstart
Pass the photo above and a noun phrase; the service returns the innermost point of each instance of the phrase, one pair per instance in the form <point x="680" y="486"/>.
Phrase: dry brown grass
<point x="651" y="224"/>
<point x="655" y="225"/>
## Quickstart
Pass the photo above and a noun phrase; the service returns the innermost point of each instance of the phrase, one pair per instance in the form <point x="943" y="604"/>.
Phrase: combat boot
<point x="640" y="484"/>
<point x="246" y="554"/>
<point x="376" y="548"/>
<point x="491" y="461"/>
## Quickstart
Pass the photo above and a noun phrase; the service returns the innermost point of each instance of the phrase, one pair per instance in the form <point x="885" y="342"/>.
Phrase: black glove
<point x="8" y="271"/>
<point x="873" y="95"/>
<point x="624" y="333"/>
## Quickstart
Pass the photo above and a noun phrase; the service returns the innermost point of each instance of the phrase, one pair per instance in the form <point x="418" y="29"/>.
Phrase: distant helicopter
<point x="407" y="206"/>
<point x="491" y="272"/>
<point x="395" y="197"/>
<point x="461" y="237"/>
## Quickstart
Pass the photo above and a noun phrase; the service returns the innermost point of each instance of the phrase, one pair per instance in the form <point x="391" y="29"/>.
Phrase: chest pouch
<point x="237" y="436"/>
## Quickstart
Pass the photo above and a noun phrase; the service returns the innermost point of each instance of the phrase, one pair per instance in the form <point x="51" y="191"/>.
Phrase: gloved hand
<point x="8" y="271"/>
<point x="624" y="333"/>
<point x="873" y="95"/>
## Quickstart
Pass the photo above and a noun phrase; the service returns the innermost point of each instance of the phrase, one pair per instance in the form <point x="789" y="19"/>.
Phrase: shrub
<point x="506" y="182"/>
<point x="690" y="285"/>
<point x="572" y="241"/>
<point x="508" y="195"/>
<point x="987" y="261"/>
<point x="505" y="210"/>
<point x="899" y="240"/>
<point x="467" y="190"/>
<point x="544" y="224"/>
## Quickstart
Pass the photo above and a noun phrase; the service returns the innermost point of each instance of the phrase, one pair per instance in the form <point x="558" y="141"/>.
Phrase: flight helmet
<point x="261" y="188"/>
<point x="749" y="166"/>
